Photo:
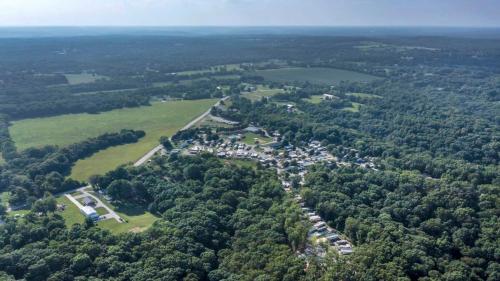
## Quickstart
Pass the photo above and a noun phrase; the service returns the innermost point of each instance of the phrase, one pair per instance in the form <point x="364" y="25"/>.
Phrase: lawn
<point x="71" y="214"/>
<point x="82" y="78"/>
<point x="101" y="211"/>
<point x="261" y="92"/>
<point x="249" y="138"/>
<point x="316" y="99"/>
<point x="137" y="218"/>
<point x="363" y="95"/>
<point x="156" y="120"/>
<point x="316" y="75"/>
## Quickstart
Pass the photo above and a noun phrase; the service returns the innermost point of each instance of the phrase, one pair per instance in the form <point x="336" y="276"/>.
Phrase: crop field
<point x="82" y="78"/>
<point x="315" y="75"/>
<point x="156" y="120"/>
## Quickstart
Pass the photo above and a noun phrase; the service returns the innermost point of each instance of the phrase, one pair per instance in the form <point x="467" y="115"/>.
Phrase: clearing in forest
<point x="260" y="92"/>
<point x="315" y="75"/>
<point x="159" y="119"/>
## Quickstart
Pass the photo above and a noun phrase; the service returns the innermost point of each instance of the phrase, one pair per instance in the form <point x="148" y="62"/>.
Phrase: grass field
<point x="82" y="78"/>
<point x="261" y="92"/>
<point x="316" y="75"/>
<point x="156" y="120"/>
<point x="363" y="95"/>
<point x="249" y="138"/>
<point x="71" y="214"/>
<point x="315" y="99"/>
<point x="137" y="218"/>
<point x="2" y="161"/>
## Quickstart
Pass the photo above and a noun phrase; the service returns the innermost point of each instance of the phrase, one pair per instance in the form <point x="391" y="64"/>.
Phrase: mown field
<point x="156" y="120"/>
<point x="316" y="75"/>
<point x="261" y="92"/>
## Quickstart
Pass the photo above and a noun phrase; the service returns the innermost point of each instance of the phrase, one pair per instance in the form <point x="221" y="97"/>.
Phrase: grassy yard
<point x="101" y="211"/>
<point x="156" y="120"/>
<point x="316" y="75"/>
<point x="137" y="218"/>
<point x="249" y="138"/>
<point x="363" y="95"/>
<point x="261" y="92"/>
<point x="71" y="214"/>
<point x="82" y="78"/>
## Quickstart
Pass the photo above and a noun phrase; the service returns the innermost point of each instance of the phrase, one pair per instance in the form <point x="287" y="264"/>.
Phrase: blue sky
<point x="250" y="12"/>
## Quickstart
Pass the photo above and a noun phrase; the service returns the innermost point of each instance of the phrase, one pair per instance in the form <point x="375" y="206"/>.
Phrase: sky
<point x="250" y="13"/>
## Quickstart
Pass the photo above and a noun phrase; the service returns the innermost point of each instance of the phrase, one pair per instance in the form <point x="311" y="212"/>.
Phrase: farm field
<point x="82" y="78"/>
<point x="316" y="75"/>
<point x="156" y="120"/>
<point x="261" y="92"/>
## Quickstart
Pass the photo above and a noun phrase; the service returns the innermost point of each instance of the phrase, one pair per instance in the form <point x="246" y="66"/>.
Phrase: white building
<point x="89" y="212"/>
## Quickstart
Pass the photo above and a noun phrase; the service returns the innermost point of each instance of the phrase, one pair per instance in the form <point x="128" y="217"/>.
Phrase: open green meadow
<point x="316" y="99"/>
<point x="261" y="92"/>
<point x="156" y="120"/>
<point x="82" y="78"/>
<point x="316" y="75"/>
<point x="249" y="138"/>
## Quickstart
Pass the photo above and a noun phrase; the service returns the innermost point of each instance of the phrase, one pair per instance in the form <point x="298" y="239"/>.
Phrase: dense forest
<point x="220" y="223"/>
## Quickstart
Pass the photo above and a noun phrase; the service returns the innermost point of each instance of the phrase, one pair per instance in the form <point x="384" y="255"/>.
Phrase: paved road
<point x="192" y="123"/>
<point x="147" y="156"/>
<point x="153" y="151"/>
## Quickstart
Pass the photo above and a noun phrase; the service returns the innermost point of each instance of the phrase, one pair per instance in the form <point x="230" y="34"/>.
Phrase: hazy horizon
<point x="249" y="13"/>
